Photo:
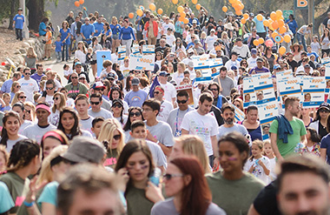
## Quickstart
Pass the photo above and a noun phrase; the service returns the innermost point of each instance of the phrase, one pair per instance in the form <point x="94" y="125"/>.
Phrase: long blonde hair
<point x="62" y="103"/>
<point x="33" y="108"/>
<point x="31" y="53"/>
<point x="193" y="145"/>
<point x="106" y="134"/>
<point x="46" y="173"/>
<point x="114" y="19"/>
<point x="16" y="99"/>
<point x="15" y="83"/>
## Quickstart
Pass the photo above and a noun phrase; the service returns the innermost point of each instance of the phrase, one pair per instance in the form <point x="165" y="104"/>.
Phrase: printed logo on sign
<point x="292" y="82"/>
<point x="268" y="107"/>
<point x="317" y="80"/>
<point x="302" y="3"/>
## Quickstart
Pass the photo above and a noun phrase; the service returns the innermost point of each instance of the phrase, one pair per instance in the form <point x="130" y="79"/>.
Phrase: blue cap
<point x="77" y="63"/>
<point x="254" y="51"/>
<point x="163" y="73"/>
<point x="233" y="68"/>
<point x="276" y="66"/>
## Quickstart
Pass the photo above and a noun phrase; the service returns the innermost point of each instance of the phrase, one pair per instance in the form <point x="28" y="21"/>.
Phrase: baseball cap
<point x="276" y="66"/>
<point x="126" y="58"/>
<point x="254" y="51"/>
<point x="84" y="149"/>
<point x="135" y="81"/>
<point x="194" y="21"/>
<point x="259" y="59"/>
<point x="191" y="64"/>
<point x="212" y="30"/>
<point x="77" y="63"/>
<point x="234" y="53"/>
<point x="111" y="76"/>
<point x="20" y="9"/>
<point x="98" y="85"/>
<point x="190" y="51"/>
<point x="233" y="68"/>
<point x="300" y="72"/>
<point x="251" y="14"/>
<point x="117" y="101"/>
<point x="238" y="39"/>
<point x="163" y="73"/>
<point x="169" y="29"/>
<point x="307" y="66"/>
<point x="82" y="75"/>
<point x="325" y="105"/>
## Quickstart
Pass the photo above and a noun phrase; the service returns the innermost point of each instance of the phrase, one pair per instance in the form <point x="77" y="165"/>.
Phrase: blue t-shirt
<point x="87" y="31"/>
<point x="49" y="194"/>
<point x="19" y="20"/>
<point x="190" y="21"/>
<point x="106" y="33"/>
<point x="6" y="201"/>
<point x="325" y="144"/>
<point x="115" y="28"/>
<point x="260" y="25"/>
<point x="64" y="34"/>
<point x="222" y="130"/>
<point x="292" y="25"/>
<point x="98" y="27"/>
<point x="6" y="87"/>
<point x="126" y="33"/>
<point x="42" y="27"/>
<point x="6" y="108"/>
<point x="58" y="46"/>
<point x="136" y="99"/>
<point x="313" y="53"/>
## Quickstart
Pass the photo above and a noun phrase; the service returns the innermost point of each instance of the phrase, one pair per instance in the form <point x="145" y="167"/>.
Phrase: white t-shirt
<point x="49" y="100"/>
<point x="258" y="170"/>
<point x="67" y="72"/>
<point x="166" y="26"/>
<point x="102" y="113"/>
<point x="178" y="77"/>
<point x="231" y="63"/>
<point x="54" y="118"/>
<point x="25" y="124"/>
<point x="170" y="39"/>
<point x="165" y="108"/>
<point x="252" y="62"/>
<point x="210" y="41"/>
<point x="11" y="143"/>
<point x="28" y="87"/>
<point x="170" y="91"/>
<point x="35" y="132"/>
<point x="80" y="55"/>
<point x="203" y="126"/>
<point x="86" y="124"/>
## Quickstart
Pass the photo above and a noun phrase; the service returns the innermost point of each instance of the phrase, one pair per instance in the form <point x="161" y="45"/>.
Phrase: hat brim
<point x="292" y="46"/>
<point x="96" y="88"/>
<point x="73" y="158"/>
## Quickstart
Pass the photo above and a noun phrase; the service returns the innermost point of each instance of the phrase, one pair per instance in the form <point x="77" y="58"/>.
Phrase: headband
<point x="160" y="89"/>
<point x="42" y="106"/>
<point x="54" y="134"/>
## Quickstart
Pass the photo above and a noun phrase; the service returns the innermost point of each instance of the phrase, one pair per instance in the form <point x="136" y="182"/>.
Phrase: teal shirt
<point x="49" y="194"/>
<point x="6" y="202"/>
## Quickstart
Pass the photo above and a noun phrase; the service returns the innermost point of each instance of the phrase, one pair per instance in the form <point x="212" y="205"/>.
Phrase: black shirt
<point x="213" y="26"/>
<point x="322" y="130"/>
<point x="293" y="64"/>
<point x="144" y="20"/>
<point x="266" y="202"/>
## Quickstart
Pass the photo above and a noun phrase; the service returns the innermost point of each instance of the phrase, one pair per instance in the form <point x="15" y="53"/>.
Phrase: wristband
<point x="28" y="204"/>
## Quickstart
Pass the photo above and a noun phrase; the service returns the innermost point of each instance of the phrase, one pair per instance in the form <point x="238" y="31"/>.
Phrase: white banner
<point x="142" y="62"/>
<point x="313" y="91"/>
<point x="148" y="49"/>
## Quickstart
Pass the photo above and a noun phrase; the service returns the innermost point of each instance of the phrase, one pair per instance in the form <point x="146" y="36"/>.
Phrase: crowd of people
<point x="133" y="142"/>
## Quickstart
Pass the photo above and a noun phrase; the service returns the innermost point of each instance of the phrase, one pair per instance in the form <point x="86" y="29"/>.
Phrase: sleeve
<point x="214" y="130"/>
<point x="36" y="87"/>
<point x="93" y="29"/>
<point x="15" y="17"/>
<point x="173" y="93"/>
<point x="324" y="142"/>
<point x="273" y="127"/>
<point x="132" y="32"/>
<point x="48" y="196"/>
<point x="168" y="136"/>
<point x="303" y="128"/>
<point x="5" y="198"/>
<point x="244" y="131"/>
<point x="247" y="165"/>
<point x="185" y="123"/>
<point x="82" y="29"/>
<point x="161" y="159"/>
<point x="120" y="34"/>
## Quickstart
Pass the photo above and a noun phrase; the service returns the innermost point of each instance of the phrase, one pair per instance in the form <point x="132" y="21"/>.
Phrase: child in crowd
<point x="107" y="65"/>
<point x="89" y="55"/>
<point x="258" y="164"/>
<point x="271" y="156"/>
<point x="311" y="53"/>
<point x="67" y="71"/>
<point x="315" y="45"/>
<point x="58" y="48"/>
<point x="6" y="100"/>
<point x="96" y="126"/>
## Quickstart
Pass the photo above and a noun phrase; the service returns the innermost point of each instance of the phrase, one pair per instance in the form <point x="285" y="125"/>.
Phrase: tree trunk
<point x="319" y="20"/>
<point x="36" y="13"/>
<point x="12" y="14"/>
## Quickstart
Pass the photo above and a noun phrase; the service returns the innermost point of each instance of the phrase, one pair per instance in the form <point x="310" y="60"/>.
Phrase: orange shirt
<point x="49" y="37"/>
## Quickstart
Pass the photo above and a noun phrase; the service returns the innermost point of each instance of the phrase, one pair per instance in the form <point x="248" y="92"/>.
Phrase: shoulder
<point x="214" y="209"/>
<point x="253" y="182"/>
<point x="299" y="121"/>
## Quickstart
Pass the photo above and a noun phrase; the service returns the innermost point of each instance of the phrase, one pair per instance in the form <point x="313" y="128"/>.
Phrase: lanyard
<point x="177" y="131"/>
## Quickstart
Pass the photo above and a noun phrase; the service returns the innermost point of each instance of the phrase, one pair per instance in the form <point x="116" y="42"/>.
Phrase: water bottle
<point x="154" y="178"/>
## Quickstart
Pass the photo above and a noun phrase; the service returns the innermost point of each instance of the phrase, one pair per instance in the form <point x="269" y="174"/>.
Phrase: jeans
<point x="19" y="34"/>
<point x="66" y="48"/>
<point x="58" y="55"/>
<point x="301" y="40"/>
<point x="128" y="44"/>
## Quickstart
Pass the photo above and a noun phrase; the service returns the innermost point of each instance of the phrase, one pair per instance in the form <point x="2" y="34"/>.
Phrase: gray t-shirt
<point x="157" y="154"/>
<point x="24" y="125"/>
<point x="167" y="207"/>
<point x="174" y="120"/>
<point x="35" y="132"/>
<point x="162" y="132"/>
<point x="11" y="143"/>
<point x="227" y="84"/>
<point x="86" y="124"/>
<point x="102" y="113"/>
<point x="106" y="105"/>
<point x="222" y="130"/>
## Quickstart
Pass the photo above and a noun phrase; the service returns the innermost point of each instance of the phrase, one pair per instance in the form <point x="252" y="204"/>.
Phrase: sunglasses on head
<point x="135" y="114"/>
<point x="181" y="101"/>
<point x="117" y="137"/>
<point x="49" y="88"/>
<point x="22" y="97"/>
<point x="95" y="103"/>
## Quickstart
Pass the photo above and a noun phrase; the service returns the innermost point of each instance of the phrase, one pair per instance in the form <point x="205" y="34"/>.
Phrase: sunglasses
<point x="324" y="111"/>
<point x="117" y="137"/>
<point x="95" y="103"/>
<point x="214" y="89"/>
<point x="49" y="88"/>
<point x="82" y="78"/>
<point x="28" y="111"/>
<point x="156" y="92"/>
<point x="322" y="70"/>
<point x="117" y="105"/>
<point x="18" y="86"/>
<point x="74" y="77"/>
<point x="56" y="98"/>
<point x="170" y="176"/>
<point x="135" y="114"/>
<point x="22" y="97"/>
<point x="27" y="73"/>
<point x="182" y="101"/>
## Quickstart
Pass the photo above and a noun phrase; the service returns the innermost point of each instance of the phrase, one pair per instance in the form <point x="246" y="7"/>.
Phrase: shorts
<point x="93" y="62"/>
<point x="48" y="47"/>
<point x="115" y="36"/>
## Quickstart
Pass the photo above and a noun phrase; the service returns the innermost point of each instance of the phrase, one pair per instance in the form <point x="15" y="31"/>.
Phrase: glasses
<point x="82" y="78"/>
<point x="117" y="137"/>
<point x="28" y="111"/>
<point x="74" y="77"/>
<point x="22" y="97"/>
<point x="18" y="86"/>
<point x="137" y="71"/>
<point x="95" y="103"/>
<point x="158" y="55"/>
<point x="170" y="176"/>
<point x="181" y="101"/>
<point x="117" y="105"/>
<point x="324" y="111"/>
<point x="156" y="92"/>
<point x="27" y="73"/>
<point x="49" y="88"/>
<point x="218" y="51"/>
<point x="135" y="114"/>
<point x="56" y="98"/>
<point x="214" y="89"/>
<point x="322" y="70"/>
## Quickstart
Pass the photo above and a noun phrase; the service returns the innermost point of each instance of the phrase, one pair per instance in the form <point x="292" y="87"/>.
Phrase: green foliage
<point x="6" y="7"/>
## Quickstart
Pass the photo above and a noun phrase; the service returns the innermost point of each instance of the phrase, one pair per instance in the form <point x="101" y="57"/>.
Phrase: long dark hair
<point x="323" y="35"/>
<point x="128" y="124"/>
<point x="4" y="134"/>
<point x="118" y="90"/>
<point x="130" y="148"/>
<point x="315" y="138"/>
<point x="128" y="84"/>
<point x="122" y="109"/>
<point x="75" y="130"/>
<point x="196" y="196"/>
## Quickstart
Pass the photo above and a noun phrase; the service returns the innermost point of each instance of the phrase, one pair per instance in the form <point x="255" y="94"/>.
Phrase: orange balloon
<point x="181" y="18"/>
<point x="282" y="30"/>
<point x="255" y="42"/>
<point x="152" y="6"/>
<point x="131" y="15"/>
<point x="246" y="16"/>
<point x="186" y="21"/>
<point x="224" y="9"/>
<point x="239" y="6"/>
<point x="275" y="25"/>
<point x="279" y="13"/>
<point x="76" y="3"/>
<point x="160" y="11"/>
<point x="81" y="1"/>
<point x="239" y="12"/>
<point x="266" y="23"/>
<point x="274" y="34"/>
<point x="282" y="50"/>
<point x="259" y="17"/>
<point x="261" y="41"/>
<point x="194" y="1"/>
<point x="198" y="6"/>
<point x="174" y="1"/>
<point x="287" y="38"/>
<point x="280" y="23"/>
<point x="183" y="14"/>
<point x="243" y="21"/>
<point x="273" y="16"/>
<point x="180" y="9"/>
<point x="139" y="12"/>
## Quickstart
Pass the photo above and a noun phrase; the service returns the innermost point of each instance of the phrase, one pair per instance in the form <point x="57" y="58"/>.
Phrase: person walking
<point x="18" y="23"/>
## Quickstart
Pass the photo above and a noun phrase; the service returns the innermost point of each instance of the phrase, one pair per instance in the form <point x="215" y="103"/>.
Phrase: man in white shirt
<point x="165" y="106"/>
<point x="82" y="105"/>
<point x="168" y="25"/>
<point x="252" y="61"/>
<point x="50" y="91"/>
<point x="28" y="85"/>
<point x="97" y="111"/>
<point x="170" y="91"/>
<point x="170" y="39"/>
<point x="232" y="62"/>
<point x="241" y="49"/>
<point x="199" y="122"/>
<point x="210" y="40"/>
